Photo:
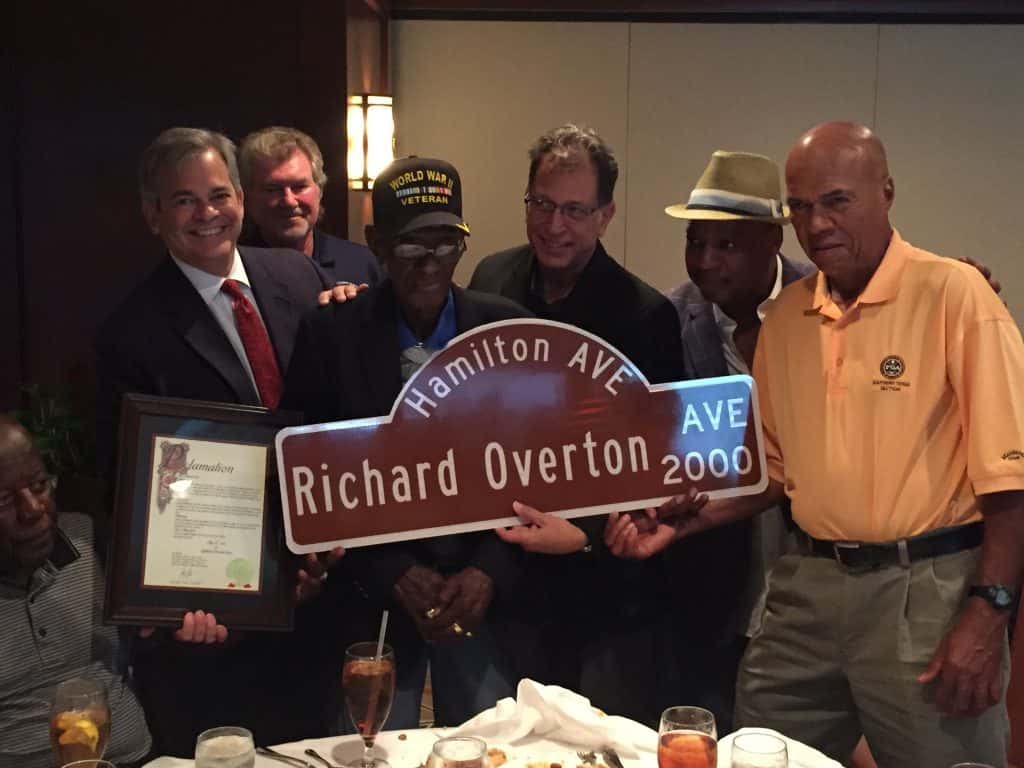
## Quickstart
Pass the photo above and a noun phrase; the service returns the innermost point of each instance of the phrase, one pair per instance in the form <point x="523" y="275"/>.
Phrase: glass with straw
<point x="369" y="682"/>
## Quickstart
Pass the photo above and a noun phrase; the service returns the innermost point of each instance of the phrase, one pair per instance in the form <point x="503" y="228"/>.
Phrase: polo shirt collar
<point x="64" y="554"/>
<point x="445" y="330"/>
<point x="883" y="285"/>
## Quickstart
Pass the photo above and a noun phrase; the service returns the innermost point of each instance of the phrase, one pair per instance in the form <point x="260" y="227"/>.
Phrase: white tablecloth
<point x="409" y="749"/>
<point x="544" y="723"/>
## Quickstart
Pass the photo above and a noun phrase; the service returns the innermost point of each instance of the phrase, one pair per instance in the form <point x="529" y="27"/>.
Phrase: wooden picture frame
<point x="196" y="519"/>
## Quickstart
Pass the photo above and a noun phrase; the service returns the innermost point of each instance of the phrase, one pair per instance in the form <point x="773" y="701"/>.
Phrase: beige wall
<point x="947" y="101"/>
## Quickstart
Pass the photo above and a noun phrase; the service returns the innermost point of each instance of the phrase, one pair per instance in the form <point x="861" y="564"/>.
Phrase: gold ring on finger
<point x="457" y="628"/>
<point x="432" y="612"/>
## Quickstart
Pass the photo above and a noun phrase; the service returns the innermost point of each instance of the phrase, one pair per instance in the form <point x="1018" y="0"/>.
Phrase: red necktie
<point x="257" y="345"/>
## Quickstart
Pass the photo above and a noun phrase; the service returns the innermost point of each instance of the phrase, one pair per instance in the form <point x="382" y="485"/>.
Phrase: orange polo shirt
<point x="888" y="420"/>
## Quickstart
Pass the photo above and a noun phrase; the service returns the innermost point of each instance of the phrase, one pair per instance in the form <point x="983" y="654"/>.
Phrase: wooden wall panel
<point x="479" y="93"/>
<point x="100" y="80"/>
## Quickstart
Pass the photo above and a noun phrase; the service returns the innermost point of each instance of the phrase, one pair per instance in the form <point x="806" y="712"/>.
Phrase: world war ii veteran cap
<point x="417" y="192"/>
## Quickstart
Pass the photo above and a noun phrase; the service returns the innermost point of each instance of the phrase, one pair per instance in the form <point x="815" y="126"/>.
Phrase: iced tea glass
<point x="687" y="738"/>
<point x="79" y="721"/>
<point x="369" y="685"/>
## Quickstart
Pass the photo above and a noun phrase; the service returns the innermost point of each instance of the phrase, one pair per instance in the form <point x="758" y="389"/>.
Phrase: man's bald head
<point x="13" y="436"/>
<point x="28" y="514"/>
<point x="840" y="192"/>
<point x="843" y="137"/>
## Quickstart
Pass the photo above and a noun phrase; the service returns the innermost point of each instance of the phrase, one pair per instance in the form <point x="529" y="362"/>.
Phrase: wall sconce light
<point x="371" y="138"/>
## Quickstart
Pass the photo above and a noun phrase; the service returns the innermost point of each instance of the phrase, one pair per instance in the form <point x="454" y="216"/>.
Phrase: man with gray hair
<point x="217" y="321"/>
<point x="283" y="178"/>
<point x="599" y="628"/>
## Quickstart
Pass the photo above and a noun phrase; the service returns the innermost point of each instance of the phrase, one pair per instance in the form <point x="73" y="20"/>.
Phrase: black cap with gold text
<point x="415" y="193"/>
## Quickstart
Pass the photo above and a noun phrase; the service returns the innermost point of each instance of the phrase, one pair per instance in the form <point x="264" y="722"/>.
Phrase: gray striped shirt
<point x="53" y="632"/>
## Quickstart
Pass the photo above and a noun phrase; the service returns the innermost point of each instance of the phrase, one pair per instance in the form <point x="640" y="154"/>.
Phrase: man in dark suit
<point x="351" y="361"/>
<point x="735" y="216"/>
<point x="283" y="177"/>
<point x="216" y="322"/>
<point x="599" y="630"/>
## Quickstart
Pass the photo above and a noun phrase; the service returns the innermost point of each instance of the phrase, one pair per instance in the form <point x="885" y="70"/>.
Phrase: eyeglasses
<point x="544" y="207"/>
<point x="41" y="488"/>
<point x="443" y="252"/>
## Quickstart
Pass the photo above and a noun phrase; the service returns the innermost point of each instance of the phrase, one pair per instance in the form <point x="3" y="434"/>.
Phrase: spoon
<point x="316" y="756"/>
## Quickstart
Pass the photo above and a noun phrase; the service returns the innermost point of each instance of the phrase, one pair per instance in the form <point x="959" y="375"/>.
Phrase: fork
<point x="280" y="756"/>
<point x="587" y="757"/>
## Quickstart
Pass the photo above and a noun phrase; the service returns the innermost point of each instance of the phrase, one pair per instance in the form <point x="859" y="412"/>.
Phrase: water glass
<point x="459" y="752"/>
<point x="225" y="747"/>
<point x="759" y="750"/>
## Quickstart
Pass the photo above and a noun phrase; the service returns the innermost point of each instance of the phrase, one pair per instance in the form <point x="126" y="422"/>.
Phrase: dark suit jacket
<point x="608" y="301"/>
<point x="342" y="260"/>
<point x="702" y="343"/>
<point x="718" y="559"/>
<point x="618" y="307"/>
<point x="165" y="341"/>
<point x="347" y="366"/>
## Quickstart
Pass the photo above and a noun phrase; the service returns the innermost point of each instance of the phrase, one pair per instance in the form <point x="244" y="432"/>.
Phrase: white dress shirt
<point x="209" y="288"/>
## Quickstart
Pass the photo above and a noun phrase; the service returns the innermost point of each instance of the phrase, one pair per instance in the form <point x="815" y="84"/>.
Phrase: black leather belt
<point x="866" y="556"/>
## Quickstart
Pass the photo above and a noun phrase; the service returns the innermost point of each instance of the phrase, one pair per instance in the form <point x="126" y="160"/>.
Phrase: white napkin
<point x="800" y="755"/>
<point x="558" y="714"/>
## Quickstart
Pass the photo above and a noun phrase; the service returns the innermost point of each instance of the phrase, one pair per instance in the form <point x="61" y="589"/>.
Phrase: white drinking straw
<point x="380" y="639"/>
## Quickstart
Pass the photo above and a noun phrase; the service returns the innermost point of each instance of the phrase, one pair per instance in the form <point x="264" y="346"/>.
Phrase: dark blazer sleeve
<point x="378" y="569"/>
<point x="661" y="357"/>
<point x="504" y="563"/>
<point x="307" y="384"/>
<point x="313" y="388"/>
<point x="117" y="372"/>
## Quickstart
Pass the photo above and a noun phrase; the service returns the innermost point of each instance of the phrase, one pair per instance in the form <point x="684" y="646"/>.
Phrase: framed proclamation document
<point x="197" y="520"/>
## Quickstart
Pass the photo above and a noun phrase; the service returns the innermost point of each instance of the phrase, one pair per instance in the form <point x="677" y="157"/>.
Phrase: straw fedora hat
<point x="736" y="185"/>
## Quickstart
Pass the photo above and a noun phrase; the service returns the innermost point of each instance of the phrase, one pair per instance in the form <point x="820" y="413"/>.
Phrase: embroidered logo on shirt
<point x="1013" y="455"/>
<point x="892" y="367"/>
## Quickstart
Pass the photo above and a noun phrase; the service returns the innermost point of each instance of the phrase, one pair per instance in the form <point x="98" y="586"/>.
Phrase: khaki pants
<point x="839" y="654"/>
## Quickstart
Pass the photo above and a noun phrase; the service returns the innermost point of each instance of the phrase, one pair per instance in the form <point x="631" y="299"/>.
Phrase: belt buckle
<point x="838" y="546"/>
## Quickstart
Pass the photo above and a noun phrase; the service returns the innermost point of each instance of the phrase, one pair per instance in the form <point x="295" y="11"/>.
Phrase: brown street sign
<point x="521" y="410"/>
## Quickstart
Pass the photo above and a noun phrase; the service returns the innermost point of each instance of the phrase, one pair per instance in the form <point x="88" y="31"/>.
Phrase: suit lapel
<point x="379" y="352"/>
<point x="191" y="317"/>
<point x="279" y="313"/>
<point x="516" y="285"/>
<point x="702" y="343"/>
<point x="467" y="314"/>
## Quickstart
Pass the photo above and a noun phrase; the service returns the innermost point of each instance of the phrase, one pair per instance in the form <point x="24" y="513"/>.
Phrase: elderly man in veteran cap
<point x="887" y="384"/>
<point x="735" y="216"/>
<point x="446" y="587"/>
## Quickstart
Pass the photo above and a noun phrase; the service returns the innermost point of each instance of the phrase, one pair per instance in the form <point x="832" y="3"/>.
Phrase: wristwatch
<point x="999" y="597"/>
